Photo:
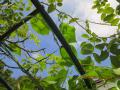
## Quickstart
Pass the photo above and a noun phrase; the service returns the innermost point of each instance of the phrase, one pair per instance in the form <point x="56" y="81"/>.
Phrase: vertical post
<point x="2" y="81"/>
<point x="60" y="37"/>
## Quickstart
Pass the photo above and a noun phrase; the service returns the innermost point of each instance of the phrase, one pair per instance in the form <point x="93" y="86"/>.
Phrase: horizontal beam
<point x="17" y="25"/>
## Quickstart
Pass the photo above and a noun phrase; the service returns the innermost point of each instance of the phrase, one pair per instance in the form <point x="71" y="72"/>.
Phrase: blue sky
<point x="82" y="9"/>
<point x="76" y="8"/>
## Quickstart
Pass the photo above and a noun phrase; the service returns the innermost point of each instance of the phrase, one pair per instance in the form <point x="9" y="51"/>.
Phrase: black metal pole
<point x="17" y="25"/>
<point x="2" y="81"/>
<point x="56" y="31"/>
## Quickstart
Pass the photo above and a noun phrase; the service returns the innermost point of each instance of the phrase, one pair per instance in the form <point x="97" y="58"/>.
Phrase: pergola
<point x="40" y="9"/>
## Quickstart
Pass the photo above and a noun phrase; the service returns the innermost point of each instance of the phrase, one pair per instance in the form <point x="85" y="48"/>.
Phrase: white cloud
<point x="35" y="55"/>
<point x="83" y="11"/>
<point x="113" y="3"/>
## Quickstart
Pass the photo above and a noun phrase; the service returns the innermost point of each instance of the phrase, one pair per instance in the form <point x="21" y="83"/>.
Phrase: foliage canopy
<point x="59" y="68"/>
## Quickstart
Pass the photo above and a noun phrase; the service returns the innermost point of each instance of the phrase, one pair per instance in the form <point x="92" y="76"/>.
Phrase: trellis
<point x="40" y="9"/>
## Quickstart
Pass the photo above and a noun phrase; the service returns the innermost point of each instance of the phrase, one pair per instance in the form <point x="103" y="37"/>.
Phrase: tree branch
<point x="40" y="60"/>
<point x="9" y="66"/>
<point x="9" y="55"/>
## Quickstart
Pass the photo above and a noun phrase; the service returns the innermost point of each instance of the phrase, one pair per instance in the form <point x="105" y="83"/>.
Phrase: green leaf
<point x="94" y="39"/>
<point x="113" y="88"/>
<point x="2" y="22"/>
<point x="29" y="6"/>
<point x="68" y="32"/>
<point x="115" y="61"/>
<point x="51" y="8"/>
<point x="15" y="49"/>
<point x="35" y="38"/>
<point x="35" y="69"/>
<point x="59" y="1"/>
<point x="87" y="60"/>
<point x="51" y="82"/>
<point x="82" y="44"/>
<point x="109" y="10"/>
<point x="76" y="86"/>
<point x="118" y="9"/>
<point x="104" y="55"/>
<point x="87" y="48"/>
<point x="91" y="74"/>
<point x="100" y="46"/>
<point x="73" y="20"/>
<point x="109" y="18"/>
<point x="104" y="39"/>
<point x="115" y="22"/>
<point x="48" y="81"/>
<point x="118" y="84"/>
<point x="42" y="66"/>
<point x="39" y="25"/>
<point x="94" y="35"/>
<point x="22" y="31"/>
<point x="26" y="84"/>
<point x="104" y="73"/>
<point x="116" y="71"/>
<point x="97" y="57"/>
<point x="65" y="55"/>
<point x="61" y="75"/>
<point x="118" y="26"/>
<point x="118" y="1"/>
<point x="51" y="1"/>
<point x="114" y="49"/>
<point x="85" y="35"/>
<point x="59" y="4"/>
<point x="103" y="16"/>
<point x="100" y="10"/>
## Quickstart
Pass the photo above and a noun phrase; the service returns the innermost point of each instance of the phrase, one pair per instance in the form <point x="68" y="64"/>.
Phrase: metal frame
<point x="40" y="9"/>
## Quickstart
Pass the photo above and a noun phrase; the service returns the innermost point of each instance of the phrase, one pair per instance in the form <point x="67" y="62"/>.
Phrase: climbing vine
<point x="19" y="29"/>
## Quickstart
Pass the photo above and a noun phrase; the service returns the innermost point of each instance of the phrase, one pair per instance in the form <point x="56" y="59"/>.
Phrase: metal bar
<point x="17" y="25"/>
<point x="2" y="81"/>
<point x="56" y="31"/>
